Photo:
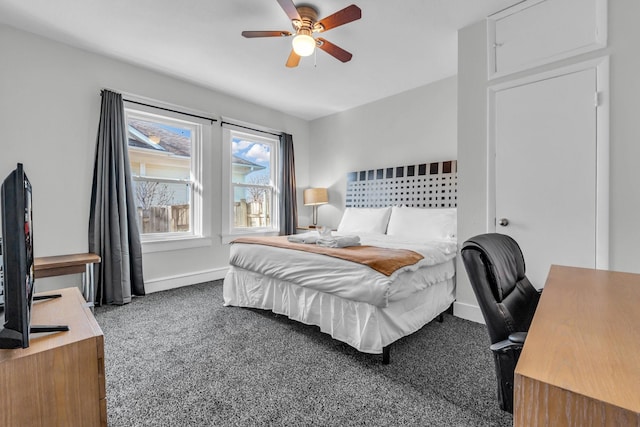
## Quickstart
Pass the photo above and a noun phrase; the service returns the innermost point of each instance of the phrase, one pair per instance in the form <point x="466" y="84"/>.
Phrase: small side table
<point x="61" y="265"/>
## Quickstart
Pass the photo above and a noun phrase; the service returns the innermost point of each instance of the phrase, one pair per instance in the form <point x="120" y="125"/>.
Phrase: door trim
<point x="601" y="65"/>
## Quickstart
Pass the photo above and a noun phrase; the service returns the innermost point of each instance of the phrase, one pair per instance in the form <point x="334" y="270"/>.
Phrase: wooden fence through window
<point x="165" y="219"/>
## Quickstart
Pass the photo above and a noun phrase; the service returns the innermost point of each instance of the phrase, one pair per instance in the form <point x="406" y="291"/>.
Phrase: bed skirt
<point x="363" y="326"/>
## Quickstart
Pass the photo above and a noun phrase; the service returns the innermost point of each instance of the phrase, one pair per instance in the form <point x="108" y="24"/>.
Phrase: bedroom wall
<point x="412" y="127"/>
<point x="49" y="111"/>
<point x="624" y="132"/>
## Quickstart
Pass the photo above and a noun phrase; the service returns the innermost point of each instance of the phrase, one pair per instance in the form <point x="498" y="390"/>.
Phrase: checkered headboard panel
<point x="426" y="185"/>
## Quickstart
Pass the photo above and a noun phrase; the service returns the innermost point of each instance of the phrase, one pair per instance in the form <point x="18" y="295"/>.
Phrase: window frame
<point x="201" y="131"/>
<point x="229" y="231"/>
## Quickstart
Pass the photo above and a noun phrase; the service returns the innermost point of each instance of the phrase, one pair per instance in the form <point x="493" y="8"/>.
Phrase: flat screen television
<point x="18" y="261"/>
<point x="1" y="276"/>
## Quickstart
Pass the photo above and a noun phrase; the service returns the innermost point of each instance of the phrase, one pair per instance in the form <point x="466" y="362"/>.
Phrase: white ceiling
<point x="397" y="45"/>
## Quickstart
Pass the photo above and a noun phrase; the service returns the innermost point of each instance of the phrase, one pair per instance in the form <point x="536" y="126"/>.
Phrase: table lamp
<point x="314" y="197"/>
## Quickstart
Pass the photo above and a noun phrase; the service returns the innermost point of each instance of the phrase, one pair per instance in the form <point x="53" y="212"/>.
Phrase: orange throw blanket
<point x="383" y="260"/>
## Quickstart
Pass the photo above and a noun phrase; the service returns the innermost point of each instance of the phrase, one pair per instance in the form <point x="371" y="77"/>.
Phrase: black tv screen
<point x="17" y="236"/>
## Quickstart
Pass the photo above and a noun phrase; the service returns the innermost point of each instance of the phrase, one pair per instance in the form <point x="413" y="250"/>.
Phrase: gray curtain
<point x="113" y="230"/>
<point x="288" y="200"/>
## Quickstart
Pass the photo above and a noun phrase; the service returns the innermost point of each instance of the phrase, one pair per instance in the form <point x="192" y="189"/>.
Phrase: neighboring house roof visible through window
<point x="244" y="164"/>
<point x="154" y="136"/>
<point x="138" y="139"/>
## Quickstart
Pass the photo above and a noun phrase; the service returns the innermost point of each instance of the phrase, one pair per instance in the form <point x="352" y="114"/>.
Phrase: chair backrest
<point x="495" y="266"/>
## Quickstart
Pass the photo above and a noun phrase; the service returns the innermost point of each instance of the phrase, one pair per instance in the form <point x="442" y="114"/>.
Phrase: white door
<point x="545" y="170"/>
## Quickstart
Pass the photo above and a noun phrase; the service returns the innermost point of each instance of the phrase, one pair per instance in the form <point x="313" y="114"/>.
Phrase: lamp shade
<point x="315" y="196"/>
<point x="303" y="44"/>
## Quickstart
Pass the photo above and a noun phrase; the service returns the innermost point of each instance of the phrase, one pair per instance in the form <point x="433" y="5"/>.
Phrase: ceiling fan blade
<point x="341" y="17"/>
<point x="293" y="60"/>
<point x="333" y="50"/>
<point x="252" y="34"/>
<point x="289" y="9"/>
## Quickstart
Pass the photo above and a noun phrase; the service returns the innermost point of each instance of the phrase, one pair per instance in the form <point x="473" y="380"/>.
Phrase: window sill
<point x="228" y="238"/>
<point x="151" y="246"/>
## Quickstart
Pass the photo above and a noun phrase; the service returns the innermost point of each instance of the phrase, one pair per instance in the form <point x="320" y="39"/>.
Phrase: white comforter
<point x="347" y="279"/>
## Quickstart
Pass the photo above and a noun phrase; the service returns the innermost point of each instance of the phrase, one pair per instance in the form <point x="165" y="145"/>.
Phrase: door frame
<point x="601" y="99"/>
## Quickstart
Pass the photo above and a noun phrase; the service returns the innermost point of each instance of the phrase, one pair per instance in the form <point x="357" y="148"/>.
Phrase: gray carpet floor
<point x="180" y="358"/>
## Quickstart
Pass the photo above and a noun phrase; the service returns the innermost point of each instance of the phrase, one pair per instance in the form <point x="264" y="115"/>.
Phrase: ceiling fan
<point x="305" y="22"/>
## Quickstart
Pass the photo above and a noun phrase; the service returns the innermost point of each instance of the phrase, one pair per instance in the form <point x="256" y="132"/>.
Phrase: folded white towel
<point x="309" y="237"/>
<point x="339" y="241"/>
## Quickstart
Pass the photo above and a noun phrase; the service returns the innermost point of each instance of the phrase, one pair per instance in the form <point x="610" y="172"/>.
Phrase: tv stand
<point x="59" y="379"/>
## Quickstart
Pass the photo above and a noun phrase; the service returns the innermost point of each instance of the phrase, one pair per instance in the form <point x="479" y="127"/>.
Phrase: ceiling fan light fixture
<point x="304" y="19"/>
<point x="303" y="44"/>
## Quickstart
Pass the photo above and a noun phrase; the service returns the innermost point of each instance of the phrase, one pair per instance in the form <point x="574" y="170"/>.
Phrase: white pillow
<point x="364" y="220"/>
<point x="423" y="223"/>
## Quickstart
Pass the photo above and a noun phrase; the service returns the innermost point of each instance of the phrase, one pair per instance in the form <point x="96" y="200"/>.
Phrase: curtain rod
<point x="169" y="109"/>
<point x="247" y="127"/>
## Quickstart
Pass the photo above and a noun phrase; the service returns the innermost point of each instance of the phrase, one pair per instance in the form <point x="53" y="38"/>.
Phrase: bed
<point x="400" y="277"/>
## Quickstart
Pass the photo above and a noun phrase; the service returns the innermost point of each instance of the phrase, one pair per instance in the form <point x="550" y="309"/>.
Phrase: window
<point x="164" y="154"/>
<point x="251" y="173"/>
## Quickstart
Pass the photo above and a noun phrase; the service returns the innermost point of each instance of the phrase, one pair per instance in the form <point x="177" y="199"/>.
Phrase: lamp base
<point x="314" y="218"/>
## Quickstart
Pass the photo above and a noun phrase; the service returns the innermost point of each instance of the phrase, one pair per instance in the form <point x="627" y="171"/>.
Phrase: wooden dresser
<point x="59" y="379"/>
<point x="580" y="365"/>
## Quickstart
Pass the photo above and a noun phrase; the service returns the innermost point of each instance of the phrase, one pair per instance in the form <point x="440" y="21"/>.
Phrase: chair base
<point x="505" y="361"/>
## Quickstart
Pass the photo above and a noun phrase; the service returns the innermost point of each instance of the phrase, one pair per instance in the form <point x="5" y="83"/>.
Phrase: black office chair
<point x="496" y="269"/>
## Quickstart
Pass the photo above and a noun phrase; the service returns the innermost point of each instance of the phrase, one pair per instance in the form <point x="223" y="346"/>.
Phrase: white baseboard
<point x="164" y="283"/>
<point x="468" y="312"/>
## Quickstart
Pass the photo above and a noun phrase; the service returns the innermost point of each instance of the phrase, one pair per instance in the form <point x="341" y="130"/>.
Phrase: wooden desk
<point x="580" y="365"/>
<point x="59" y="379"/>
<point x="69" y="264"/>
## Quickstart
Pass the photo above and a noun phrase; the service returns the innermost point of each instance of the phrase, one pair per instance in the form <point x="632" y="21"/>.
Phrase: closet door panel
<point x="537" y="32"/>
